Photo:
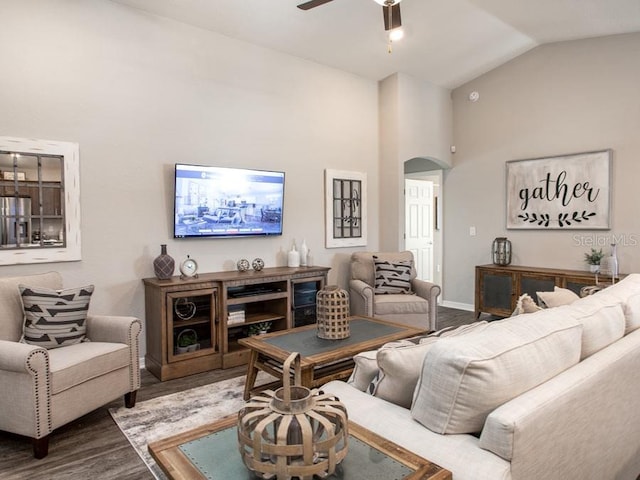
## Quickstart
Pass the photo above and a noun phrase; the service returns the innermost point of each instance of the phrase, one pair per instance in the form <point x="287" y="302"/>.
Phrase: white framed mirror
<point x="39" y="201"/>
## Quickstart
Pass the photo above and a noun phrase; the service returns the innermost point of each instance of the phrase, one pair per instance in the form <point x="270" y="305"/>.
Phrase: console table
<point x="499" y="287"/>
<point x="219" y="309"/>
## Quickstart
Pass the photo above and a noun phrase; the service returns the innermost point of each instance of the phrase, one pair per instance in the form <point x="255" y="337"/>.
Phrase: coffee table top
<point x="366" y="333"/>
<point x="211" y="452"/>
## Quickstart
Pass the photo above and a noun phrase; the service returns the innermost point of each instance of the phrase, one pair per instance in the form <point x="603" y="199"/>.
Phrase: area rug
<point x="163" y="417"/>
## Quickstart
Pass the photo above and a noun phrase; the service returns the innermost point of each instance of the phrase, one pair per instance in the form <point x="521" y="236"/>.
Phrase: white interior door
<point x="419" y="225"/>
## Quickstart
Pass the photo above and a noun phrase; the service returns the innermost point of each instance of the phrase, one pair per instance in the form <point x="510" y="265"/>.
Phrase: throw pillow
<point x="525" y="304"/>
<point x="557" y="298"/>
<point x="400" y="363"/>
<point x="364" y="371"/>
<point x="54" y="318"/>
<point x="392" y="277"/>
<point x="465" y="378"/>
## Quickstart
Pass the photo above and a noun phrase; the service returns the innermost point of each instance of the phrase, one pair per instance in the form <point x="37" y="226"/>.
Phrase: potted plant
<point x="187" y="341"/>
<point x="593" y="259"/>
<point x="259" y="328"/>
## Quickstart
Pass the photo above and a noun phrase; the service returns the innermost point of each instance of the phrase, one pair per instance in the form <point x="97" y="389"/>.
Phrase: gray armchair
<point x="419" y="310"/>
<point x="45" y="389"/>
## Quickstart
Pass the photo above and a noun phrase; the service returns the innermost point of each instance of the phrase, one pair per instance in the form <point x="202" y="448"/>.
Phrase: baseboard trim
<point x="458" y="305"/>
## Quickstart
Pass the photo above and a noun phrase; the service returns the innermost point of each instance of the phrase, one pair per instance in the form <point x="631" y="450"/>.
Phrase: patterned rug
<point x="163" y="417"/>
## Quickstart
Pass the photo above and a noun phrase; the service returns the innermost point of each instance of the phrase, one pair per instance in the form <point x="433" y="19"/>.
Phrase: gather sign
<point x="563" y="192"/>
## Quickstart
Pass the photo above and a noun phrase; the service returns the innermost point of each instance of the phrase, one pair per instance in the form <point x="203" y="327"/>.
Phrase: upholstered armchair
<point x="43" y="389"/>
<point x="418" y="308"/>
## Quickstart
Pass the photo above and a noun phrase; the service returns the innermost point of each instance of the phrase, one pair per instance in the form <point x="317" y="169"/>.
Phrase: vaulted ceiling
<point x="447" y="42"/>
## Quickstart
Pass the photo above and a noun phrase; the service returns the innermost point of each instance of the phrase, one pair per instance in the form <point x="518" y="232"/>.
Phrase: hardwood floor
<point x="93" y="447"/>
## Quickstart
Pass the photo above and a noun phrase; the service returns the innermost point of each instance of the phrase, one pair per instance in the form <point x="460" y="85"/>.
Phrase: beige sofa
<point x="45" y="389"/>
<point x="546" y="395"/>
<point x="417" y="310"/>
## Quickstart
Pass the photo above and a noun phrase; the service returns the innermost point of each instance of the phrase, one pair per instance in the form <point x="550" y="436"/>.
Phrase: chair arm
<point x="361" y="298"/>
<point x="111" y="328"/>
<point x="429" y="291"/>
<point x="25" y="396"/>
<point x="23" y="358"/>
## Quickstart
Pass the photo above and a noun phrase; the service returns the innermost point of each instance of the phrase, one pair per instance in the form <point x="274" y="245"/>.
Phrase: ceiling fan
<point x="390" y="11"/>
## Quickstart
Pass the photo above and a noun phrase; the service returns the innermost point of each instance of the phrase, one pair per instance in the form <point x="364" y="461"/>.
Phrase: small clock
<point x="189" y="268"/>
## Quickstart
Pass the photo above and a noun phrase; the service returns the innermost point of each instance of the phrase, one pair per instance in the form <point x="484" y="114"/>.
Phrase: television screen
<point x="227" y="202"/>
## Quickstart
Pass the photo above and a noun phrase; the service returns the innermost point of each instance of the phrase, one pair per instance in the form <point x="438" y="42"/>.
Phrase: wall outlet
<point x="472" y="231"/>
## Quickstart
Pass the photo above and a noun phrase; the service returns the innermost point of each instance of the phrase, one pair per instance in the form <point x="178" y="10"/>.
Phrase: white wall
<point x="139" y="93"/>
<point x="557" y="99"/>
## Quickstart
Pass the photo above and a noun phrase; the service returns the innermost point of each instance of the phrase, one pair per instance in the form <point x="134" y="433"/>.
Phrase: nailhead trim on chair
<point x="38" y="393"/>
<point x="133" y="345"/>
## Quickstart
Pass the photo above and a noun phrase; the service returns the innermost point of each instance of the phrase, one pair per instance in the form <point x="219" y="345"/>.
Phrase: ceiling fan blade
<point x="395" y="16"/>
<point x="312" y="4"/>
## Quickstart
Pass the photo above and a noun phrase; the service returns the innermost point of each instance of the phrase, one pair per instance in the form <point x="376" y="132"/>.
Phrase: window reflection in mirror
<point x="32" y="213"/>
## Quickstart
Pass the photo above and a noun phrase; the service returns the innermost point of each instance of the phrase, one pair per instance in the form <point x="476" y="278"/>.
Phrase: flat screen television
<point x="227" y="202"/>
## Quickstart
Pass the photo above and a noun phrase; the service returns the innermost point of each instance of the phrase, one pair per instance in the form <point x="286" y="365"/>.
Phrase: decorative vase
<point x="293" y="258"/>
<point x="293" y="432"/>
<point x="309" y="259"/>
<point x="164" y="265"/>
<point x="613" y="262"/>
<point x="609" y="264"/>
<point x="304" y="251"/>
<point x="594" y="268"/>
<point x="501" y="251"/>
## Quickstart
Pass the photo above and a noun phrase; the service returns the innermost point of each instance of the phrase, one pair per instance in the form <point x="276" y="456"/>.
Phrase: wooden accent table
<point x="321" y="360"/>
<point x="498" y="287"/>
<point x="211" y="451"/>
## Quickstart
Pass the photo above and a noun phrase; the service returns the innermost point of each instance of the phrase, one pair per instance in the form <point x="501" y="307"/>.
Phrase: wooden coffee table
<point x="211" y="452"/>
<point x="321" y="360"/>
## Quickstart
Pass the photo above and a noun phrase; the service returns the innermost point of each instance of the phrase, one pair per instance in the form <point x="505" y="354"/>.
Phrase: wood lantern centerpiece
<point x="332" y="313"/>
<point x="293" y="431"/>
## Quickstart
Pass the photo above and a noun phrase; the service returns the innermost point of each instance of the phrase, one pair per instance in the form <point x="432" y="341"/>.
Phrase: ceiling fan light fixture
<point x="396" y="34"/>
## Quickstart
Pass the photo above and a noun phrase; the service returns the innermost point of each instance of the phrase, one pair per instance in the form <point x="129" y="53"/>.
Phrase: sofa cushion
<point x="557" y="298"/>
<point x="392" y="277"/>
<point x="55" y="318"/>
<point x="603" y="321"/>
<point x="11" y="312"/>
<point x="400" y="362"/>
<point x="627" y="291"/>
<point x="75" y="364"/>
<point x="399" y="304"/>
<point x="464" y="378"/>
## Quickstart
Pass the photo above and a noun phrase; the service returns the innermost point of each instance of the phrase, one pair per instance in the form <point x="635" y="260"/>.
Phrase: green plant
<point x="257" y="328"/>
<point x="187" y="338"/>
<point x="594" y="257"/>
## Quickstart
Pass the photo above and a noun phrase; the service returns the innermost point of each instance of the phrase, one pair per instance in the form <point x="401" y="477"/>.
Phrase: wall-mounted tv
<point x="227" y="202"/>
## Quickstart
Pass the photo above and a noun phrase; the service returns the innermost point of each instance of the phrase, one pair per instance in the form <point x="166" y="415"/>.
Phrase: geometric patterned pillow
<point x="54" y="318"/>
<point x="392" y="277"/>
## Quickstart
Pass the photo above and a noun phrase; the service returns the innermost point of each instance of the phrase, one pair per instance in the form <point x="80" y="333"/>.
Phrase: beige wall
<point x="560" y="98"/>
<point x="139" y="93"/>
<point x="415" y="121"/>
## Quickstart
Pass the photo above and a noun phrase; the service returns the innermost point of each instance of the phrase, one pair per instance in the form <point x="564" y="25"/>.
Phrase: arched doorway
<point x="423" y="192"/>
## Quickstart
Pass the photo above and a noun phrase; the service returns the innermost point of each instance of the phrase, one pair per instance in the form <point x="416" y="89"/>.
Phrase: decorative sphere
<point x="243" y="265"/>
<point x="258" y="264"/>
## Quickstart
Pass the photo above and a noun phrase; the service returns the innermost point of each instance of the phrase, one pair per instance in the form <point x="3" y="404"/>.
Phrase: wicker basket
<point x="332" y="312"/>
